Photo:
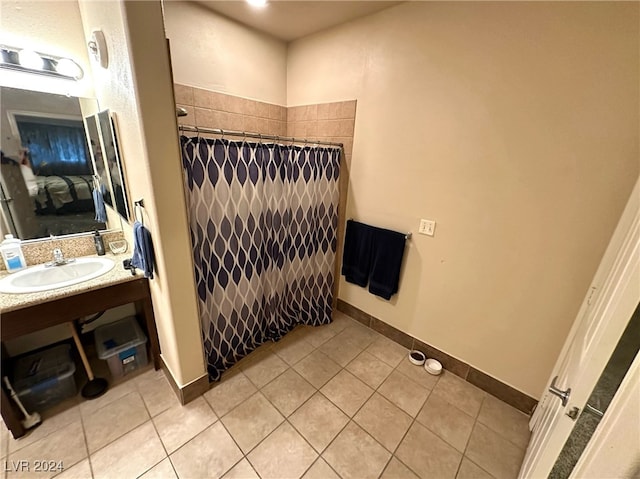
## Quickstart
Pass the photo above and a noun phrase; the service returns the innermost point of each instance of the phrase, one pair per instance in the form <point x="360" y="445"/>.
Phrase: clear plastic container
<point x="12" y="254"/>
<point x="43" y="379"/>
<point x="123" y="345"/>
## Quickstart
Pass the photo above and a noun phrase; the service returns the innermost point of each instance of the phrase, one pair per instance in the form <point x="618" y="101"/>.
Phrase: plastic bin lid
<point x="35" y="368"/>
<point x="113" y="338"/>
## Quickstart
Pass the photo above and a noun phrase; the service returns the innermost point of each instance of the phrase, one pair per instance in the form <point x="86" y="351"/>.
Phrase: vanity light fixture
<point x="25" y="60"/>
<point x="30" y="59"/>
<point x="69" y="68"/>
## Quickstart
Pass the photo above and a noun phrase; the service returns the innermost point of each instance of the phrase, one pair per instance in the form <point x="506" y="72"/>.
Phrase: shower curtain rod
<point x="244" y="134"/>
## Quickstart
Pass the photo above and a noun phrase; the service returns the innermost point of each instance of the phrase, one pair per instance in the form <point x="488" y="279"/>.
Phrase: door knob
<point x="563" y="395"/>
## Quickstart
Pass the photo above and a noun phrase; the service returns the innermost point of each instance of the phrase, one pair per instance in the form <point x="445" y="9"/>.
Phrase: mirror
<point x="114" y="165"/>
<point x="48" y="168"/>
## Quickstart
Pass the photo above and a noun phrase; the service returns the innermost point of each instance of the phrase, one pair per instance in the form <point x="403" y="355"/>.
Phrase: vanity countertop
<point x="12" y="302"/>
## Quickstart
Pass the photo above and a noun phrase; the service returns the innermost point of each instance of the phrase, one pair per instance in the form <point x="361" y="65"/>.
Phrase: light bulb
<point x="30" y="59"/>
<point x="257" y="3"/>
<point x="69" y="68"/>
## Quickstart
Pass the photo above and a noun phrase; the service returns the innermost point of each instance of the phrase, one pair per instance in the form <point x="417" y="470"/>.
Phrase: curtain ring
<point x="198" y="133"/>
<point x="222" y="134"/>
<point x="260" y="135"/>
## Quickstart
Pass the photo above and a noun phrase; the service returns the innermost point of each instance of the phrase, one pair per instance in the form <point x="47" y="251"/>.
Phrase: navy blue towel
<point x="143" y="254"/>
<point x="386" y="262"/>
<point x="356" y="258"/>
<point x="374" y="256"/>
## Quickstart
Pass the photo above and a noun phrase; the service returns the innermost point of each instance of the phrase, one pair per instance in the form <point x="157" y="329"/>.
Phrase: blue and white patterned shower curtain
<point x="263" y="220"/>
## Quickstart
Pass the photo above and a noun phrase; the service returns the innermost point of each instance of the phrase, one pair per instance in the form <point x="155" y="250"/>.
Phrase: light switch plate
<point x="427" y="227"/>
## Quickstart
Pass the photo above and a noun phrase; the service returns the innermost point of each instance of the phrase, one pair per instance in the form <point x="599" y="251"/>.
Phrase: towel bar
<point x="407" y="236"/>
<point x="137" y="207"/>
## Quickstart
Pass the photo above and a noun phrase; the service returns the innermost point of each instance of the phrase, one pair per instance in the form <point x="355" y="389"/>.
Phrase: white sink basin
<point x="44" y="278"/>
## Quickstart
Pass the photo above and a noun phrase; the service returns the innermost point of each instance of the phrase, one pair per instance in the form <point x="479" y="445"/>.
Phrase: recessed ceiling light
<point x="257" y="3"/>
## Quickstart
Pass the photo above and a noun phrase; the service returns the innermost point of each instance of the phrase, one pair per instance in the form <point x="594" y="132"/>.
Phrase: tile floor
<point x="335" y="401"/>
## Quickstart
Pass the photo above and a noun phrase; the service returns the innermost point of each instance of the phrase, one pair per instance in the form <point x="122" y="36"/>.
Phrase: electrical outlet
<point x="427" y="227"/>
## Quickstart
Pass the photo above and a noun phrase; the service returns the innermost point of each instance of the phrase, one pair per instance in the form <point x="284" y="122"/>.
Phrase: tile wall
<point x="208" y="109"/>
<point x="333" y="122"/>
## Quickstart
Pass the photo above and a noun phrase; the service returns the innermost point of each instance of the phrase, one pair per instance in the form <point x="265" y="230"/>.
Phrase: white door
<point x="603" y="456"/>
<point x="605" y="312"/>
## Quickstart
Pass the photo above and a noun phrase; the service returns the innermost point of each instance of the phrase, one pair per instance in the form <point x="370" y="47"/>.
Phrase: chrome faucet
<point x="58" y="259"/>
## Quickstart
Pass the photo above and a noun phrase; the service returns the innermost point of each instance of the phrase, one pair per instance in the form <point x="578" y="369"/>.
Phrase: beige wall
<point x="38" y="26"/>
<point x="515" y="127"/>
<point x="137" y="88"/>
<point x="214" y="53"/>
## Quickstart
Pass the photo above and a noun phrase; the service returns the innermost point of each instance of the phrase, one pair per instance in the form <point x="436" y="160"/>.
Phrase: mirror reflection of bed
<point x="60" y="204"/>
<point x="47" y="169"/>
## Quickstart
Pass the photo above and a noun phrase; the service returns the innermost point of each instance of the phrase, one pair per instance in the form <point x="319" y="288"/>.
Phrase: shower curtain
<point x="263" y="221"/>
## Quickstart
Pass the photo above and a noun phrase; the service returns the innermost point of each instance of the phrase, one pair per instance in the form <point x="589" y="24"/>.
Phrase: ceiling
<point x="289" y="20"/>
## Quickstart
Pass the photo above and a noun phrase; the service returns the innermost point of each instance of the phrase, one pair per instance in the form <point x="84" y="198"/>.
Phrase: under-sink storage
<point x="123" y="345"/>
<point x="21" y="315"/>
<point x="45" y="378"/>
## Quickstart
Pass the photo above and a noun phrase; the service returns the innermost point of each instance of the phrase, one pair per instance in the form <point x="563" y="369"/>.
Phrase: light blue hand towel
<point x="98" y="203"/>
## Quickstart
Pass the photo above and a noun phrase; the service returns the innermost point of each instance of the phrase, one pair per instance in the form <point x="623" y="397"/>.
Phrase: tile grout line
<point x="414" y="419"/>
<point x="6" y="472"/>
<point x="153" y="424"/>
<point x="86" y="446"/>
<point x="317" y="390"/>
<point x="29" y="431"/>
<point x="469" y="440"/>
<point x="352" y="419"/>
<point x="320" y="458"/>
<point x="498" y="432"/>
<point x="86" y="443"/>
<point x="476" y="417"/>
<point x="123" y="434"/>
<point x="466" y="446"/>
<point x="245" y="456"/>
<point x="286" y="418"/>
<point x="201" y="432"/>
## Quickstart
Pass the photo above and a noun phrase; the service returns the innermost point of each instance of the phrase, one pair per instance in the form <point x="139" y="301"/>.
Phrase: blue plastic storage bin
<point x="123" y="345"/>
<point x="43" y="379"/>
